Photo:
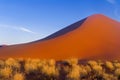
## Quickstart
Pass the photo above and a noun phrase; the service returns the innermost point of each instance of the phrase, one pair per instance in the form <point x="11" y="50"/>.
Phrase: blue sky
<point x="24" y="21"/>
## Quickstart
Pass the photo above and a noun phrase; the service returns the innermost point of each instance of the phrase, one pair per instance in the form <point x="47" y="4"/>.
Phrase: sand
<point x="97" y="37"/>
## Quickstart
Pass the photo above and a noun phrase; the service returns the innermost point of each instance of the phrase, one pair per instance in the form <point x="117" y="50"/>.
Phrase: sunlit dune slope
<point x="96" y="37"/>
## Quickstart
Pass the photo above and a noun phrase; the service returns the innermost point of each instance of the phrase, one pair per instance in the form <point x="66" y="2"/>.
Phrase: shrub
<point x="12" y="63"/>
<point x="6" y="72"/>
<point x="31" y="65"/>
<point x="2" y="63"/>
<point x="117" y="65"/>
<point x="50" y="71"/>
<point x="87" y="68"/>
<point x="74" y="74"/>
<point x="117" y="72"/>
<point x="92" y="63"/>
<point x="98" y="69"/>
<point x="72" y="61"/>
<point x="18" y="76"/>
<point x="71" y="69"/>
<point x="51" y="62"/>
<point x="109" y="65"/>
<point x="109" y="76"/>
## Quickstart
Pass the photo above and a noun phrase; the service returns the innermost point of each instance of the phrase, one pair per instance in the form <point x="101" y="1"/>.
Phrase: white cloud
<point x="116" y="12"/>
<point x="111" y="1"/>
<point x="24" y="29"/>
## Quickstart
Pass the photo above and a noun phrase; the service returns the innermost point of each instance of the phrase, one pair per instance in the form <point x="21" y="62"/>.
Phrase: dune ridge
<point x="96" y="37"/>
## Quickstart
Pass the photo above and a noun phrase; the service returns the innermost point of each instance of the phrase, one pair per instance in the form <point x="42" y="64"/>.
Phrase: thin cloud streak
<point x="111" y="1"/>
<point x="116" y="10"/>
<point x="24" y="29"/>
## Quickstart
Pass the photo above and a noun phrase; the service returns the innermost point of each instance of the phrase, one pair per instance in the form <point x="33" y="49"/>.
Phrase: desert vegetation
<point x="71" y="69"/>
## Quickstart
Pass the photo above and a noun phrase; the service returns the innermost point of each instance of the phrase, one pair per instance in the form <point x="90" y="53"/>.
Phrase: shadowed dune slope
<point x="96" y="37"/>
<point x="64" y="30"/>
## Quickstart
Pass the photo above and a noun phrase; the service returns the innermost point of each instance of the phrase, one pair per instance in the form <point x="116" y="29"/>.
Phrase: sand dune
<point x="96" y="36"/>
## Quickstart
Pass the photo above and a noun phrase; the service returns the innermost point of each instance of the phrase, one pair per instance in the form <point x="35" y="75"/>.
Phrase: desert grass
<point x="70" y="69"/>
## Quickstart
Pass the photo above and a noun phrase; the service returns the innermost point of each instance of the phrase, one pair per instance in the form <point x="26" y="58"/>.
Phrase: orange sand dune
<point x="97" y="37"/>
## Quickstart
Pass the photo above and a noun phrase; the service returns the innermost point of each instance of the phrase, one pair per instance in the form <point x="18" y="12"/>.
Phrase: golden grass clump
<point x="50" y="68"/>
<point x="73" y="61"/>
<point x="117" y="65"/>
<point x="97" y="68"/>
<point x="2" y="63"/>
<point x="71" y="69"/>
<point x="51" y="62"/>
<point x="12" y="63"/>
<point x="31" y="65"/>
<point x="6" y="72"/>
<point x="18" y="76"/>
<point x="87" y="68"/>
<point x="109" y="77"/>
<point x="117" y="72"/>
<point x="92" y="63"/>
<point x="74" y="74"/>
<point x="84" y="70"/>
<point x="109" y="65"/>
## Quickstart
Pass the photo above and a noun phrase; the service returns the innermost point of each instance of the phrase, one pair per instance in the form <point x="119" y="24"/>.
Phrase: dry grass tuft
<point x="71" y="69"/>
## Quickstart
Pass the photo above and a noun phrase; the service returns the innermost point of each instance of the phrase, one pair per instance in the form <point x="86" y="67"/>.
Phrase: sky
<point x="24" y="21"/>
